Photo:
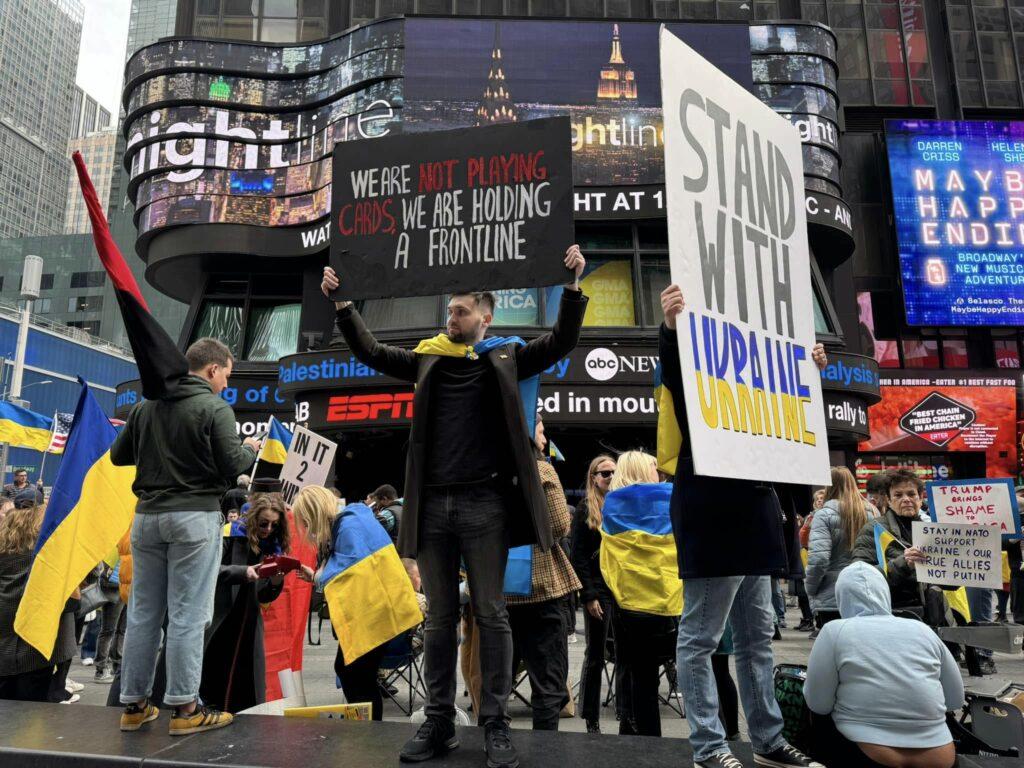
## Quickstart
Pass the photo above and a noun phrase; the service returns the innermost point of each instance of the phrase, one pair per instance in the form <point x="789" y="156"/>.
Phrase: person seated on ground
<point x="234" y="676"/>
<point x="880" y="686"/>
<point x="25" y="675"/>
<point x="906" y="492"/>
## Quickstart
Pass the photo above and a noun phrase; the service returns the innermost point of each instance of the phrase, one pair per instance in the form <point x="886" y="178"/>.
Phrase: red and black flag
<point x="158" y="358"/>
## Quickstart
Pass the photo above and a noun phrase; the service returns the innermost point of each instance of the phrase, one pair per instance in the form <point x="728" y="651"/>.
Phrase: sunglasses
<point x="266" y="525"/>
<point x="605" y="473"/>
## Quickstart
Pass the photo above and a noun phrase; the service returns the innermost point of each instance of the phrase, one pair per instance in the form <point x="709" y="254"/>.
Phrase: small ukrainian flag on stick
<point x="279" y="439"/>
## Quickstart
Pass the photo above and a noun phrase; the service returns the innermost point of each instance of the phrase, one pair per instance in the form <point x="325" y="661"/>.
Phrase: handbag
<point x="796" y="715"/>
<point x="93" y="598"/>
<point x="519" y="571"/>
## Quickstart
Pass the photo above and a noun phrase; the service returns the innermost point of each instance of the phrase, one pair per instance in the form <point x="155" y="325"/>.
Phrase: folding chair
<point x="521" y="676"/>
<point x="402" y="662"/>
<point x="672" y="701"/>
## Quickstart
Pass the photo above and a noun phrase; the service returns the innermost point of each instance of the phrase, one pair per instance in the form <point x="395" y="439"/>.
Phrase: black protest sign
<point x="448" y="211"/>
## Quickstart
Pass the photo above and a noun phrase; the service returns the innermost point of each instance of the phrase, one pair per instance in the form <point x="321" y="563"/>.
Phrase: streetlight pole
<point x="31" y="277"/>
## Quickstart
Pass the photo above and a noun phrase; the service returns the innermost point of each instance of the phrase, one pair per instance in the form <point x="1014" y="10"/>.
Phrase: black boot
<point x="593" y="726"/>
<point x="434" y="738"/>
<point x="498" y="741"/>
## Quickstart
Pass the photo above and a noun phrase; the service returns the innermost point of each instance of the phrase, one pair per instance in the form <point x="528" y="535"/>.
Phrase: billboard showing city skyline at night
<point x="958" y="199"/>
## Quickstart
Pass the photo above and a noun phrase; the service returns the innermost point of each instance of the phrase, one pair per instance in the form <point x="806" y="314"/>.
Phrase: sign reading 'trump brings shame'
<point x="738" y="248"/>
<point x="470" y="209"/>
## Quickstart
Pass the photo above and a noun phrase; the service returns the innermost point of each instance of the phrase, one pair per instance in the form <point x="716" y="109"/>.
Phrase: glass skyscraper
<point x="39" y="42"/>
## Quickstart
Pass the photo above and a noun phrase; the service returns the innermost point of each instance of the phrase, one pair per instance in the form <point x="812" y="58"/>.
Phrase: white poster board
<point x="738" y="248"/>
<point x="986" y="501"/>
<point x="959" y="555"/>
<point x="308" y="462"/>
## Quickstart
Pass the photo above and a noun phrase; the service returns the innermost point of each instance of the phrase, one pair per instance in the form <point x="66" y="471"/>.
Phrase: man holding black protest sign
<point x="472" y="487"/>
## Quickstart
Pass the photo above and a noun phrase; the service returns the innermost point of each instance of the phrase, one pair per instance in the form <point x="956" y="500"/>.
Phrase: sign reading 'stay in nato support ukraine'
<point x="738" y="247"/>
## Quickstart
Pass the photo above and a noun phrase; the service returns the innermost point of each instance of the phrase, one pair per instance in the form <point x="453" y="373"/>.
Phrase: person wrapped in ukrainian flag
<point x="369" y="594"/>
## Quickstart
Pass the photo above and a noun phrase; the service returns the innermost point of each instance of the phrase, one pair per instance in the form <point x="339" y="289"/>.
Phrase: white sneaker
<point x="88" y="662"/>
<point x="573" y="638"/>
<point x="72" y="687"/>
<point x="75" y="698"/>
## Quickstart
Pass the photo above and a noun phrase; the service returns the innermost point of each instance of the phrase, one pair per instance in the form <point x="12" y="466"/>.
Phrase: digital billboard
<point x="958" y="198"/>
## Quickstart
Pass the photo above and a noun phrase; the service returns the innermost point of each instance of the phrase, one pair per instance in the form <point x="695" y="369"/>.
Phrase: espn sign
<point x="376" y="407"/>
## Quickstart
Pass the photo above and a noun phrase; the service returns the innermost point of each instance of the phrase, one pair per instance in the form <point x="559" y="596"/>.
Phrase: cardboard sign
<point x="959" y="555"/>
<point x="976" y="502"/>
<point x="737" y="233"/>
<point x="470" y="209"/>
<point x="308" y="462"/>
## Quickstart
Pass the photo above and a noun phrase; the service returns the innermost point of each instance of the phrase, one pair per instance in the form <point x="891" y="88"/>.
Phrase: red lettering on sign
<point x="375" y="407"/>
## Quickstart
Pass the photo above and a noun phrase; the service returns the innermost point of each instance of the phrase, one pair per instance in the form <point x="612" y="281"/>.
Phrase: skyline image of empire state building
<point x="617" y="81"/>
<point x="496" y="106"/>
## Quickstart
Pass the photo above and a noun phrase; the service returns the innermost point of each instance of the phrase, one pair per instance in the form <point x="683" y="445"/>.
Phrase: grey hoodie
<point x="883" y="679"/>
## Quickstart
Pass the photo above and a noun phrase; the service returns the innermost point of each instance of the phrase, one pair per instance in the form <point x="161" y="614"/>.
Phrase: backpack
<point x="796" y="715"/>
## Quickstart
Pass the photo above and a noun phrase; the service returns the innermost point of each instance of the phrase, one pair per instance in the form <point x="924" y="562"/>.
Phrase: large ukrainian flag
<point x="275" y="449"/>
<point x="22" y="428"/>
<point x="365" y="585"/>
<point x="90" y="508"/>
<point x="638" y="550"/>
<point x="670" y="438"/>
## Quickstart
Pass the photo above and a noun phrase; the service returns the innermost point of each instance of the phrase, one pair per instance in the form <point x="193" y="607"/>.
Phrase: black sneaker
<point x="434" y="738"/>
<point x="721" y="760"/>
<point x="988" y="666"/>
<point x="786" y="756"/>
<point x="593" y="726"/>
<point x="498" y="741"/>
<point x="778" y="633"/>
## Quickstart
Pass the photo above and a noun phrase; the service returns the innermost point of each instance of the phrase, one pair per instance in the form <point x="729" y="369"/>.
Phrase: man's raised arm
<point x="392" y="361"/>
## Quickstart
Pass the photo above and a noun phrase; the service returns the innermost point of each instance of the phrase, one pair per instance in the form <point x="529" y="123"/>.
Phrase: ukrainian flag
<point x="22" y="428"/>
<point x="365" y="585"/>
<point x="670" y="438"/>
<point x="638" y="550"/>
<point x="91" y="506"/>
<point x="275" y="449"/>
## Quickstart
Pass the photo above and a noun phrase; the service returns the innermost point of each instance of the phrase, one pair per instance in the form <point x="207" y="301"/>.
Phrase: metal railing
<point x="10" y="310"/>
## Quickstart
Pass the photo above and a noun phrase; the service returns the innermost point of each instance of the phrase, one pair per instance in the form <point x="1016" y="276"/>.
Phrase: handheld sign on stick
<point x="308" y="462"/>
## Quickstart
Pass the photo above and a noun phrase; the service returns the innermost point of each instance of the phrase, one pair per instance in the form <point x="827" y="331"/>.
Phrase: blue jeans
<point x="746" y="602"/>
<point x="175" y="559"/>
<point x="980" y="602"/>
<point x="778" y="602"/>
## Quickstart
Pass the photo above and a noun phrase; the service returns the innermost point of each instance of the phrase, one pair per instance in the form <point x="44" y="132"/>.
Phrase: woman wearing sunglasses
<point x="234" y="675"/>
<point x="596" y="599"/>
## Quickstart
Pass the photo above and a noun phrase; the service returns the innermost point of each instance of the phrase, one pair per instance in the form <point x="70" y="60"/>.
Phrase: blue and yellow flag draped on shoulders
<point x="278" y="440"/>
<point x="90" y="508"/>
<point x="638" y="550"/>
<point x="22" y="428"/>
<point x="365" y="585"/>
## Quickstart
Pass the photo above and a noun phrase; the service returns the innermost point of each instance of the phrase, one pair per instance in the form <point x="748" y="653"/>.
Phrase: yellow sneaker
<point x="202" y="719"/>
<point x="137" y="715"/>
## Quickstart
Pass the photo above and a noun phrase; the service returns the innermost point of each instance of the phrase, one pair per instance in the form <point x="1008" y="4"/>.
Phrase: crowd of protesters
<point x="178" y="611"/>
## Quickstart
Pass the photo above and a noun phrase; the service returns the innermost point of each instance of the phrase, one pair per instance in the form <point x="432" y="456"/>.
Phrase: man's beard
<point x="458" y="337"/>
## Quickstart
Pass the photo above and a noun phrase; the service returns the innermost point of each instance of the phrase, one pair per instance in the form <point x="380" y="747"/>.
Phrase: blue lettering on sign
<point x="128" y="397"/>
<point x="261" y="394"/>
<point x="325" y="370"/>
<point x="558" y="370"/>
<point x="849" y="374"/>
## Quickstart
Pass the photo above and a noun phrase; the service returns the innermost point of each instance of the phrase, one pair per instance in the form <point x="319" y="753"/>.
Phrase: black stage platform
<point x="45" y="735"/>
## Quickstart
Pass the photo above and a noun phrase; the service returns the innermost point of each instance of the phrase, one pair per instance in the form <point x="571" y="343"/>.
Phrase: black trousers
<point x="540" y="641"/>
<point x="1017" y="596"/>
<point x="359" y="679"/>
<point x="596" y="631"/>
<point x="59" y="681"/>
<point x="829" y="746"/>
<point x="802" y="600"/>
<point x="642" y="643"/>
<point x="821" y="618"/>
<point x="728" y="698"/>
<point x="27" y="686"/>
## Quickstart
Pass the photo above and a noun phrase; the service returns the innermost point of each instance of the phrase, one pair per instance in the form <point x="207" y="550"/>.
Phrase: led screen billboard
<point x="958" y="198"/>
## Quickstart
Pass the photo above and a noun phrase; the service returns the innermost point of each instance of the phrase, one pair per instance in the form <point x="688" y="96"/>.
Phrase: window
<point x="41" y="306"/>
<point x="413" y="311"/>
<point x="45" y="282"/>
<point x="89" y="326"/>
<point x="273" y="331"/>
<point x="609" y="284"/>
<point x="920" y="353"/>
<point x="1007" y="353"/>
<point x="85" y="303"/>
<point x="517" y="306"/>
<point x="221" y="320"/>
<point x="88" y="279"/>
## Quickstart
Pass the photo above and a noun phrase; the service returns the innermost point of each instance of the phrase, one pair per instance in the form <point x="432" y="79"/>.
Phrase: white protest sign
<point x="959" y="555"/>
<point x="738" y="247"/>
<point x="976" y="502"/>
<point x="308" y="462"/>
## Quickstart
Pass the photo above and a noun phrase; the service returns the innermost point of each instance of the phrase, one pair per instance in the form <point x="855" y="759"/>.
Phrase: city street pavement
<point x="319" y="680"/>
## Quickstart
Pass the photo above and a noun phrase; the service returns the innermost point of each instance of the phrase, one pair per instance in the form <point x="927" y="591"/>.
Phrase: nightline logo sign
<point x="326" y="370"/>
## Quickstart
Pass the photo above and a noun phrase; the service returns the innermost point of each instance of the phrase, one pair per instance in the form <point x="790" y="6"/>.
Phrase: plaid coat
<point x="553" y="576"/>
<point x="17" y="656"/>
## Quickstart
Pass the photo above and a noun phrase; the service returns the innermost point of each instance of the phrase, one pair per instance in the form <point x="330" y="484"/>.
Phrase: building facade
<point x="39" y="42"/>
<point x="87" y="115"/>
<point x="97" y="150"/>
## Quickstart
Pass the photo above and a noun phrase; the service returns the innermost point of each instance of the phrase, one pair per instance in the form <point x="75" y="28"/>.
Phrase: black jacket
<point x="185" y="449"/>
<point x="723" y="527"/>
<point x="233" y="644"/>
<point x="518" y="362"/>
<point x="17" y="656"/>
<point x="586" y="556"/>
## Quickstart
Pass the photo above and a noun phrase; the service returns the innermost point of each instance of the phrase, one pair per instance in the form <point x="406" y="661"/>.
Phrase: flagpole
<point x="259" y="454"/>
<point x="42" y="467"/>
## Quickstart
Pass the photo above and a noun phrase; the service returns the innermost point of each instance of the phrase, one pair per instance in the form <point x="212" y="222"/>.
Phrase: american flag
<point x="59" y="435"/>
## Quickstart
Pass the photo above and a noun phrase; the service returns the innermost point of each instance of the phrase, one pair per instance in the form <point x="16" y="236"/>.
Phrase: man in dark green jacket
<point x="186" y="451"/>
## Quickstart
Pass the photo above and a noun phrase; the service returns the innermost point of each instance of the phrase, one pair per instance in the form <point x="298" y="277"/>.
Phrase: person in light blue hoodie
<point x="883" y="685"/>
